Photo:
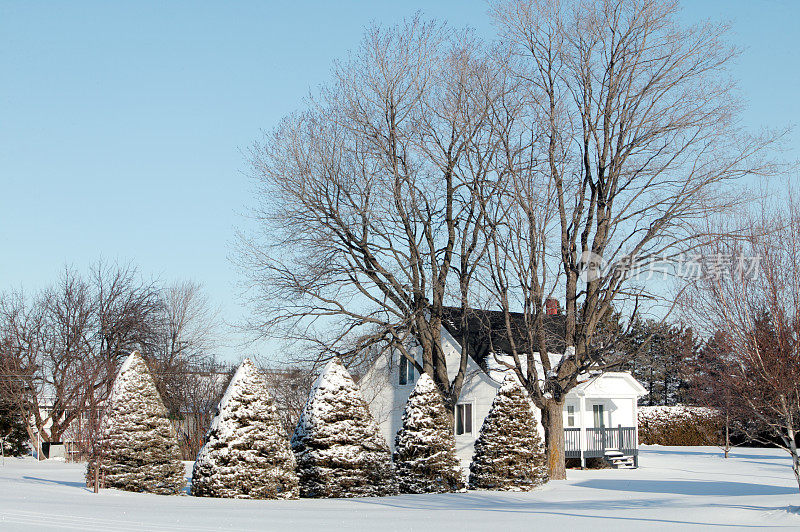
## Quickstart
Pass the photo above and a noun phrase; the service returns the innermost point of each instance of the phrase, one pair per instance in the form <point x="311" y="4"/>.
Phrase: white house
<point x="600" y="414"/>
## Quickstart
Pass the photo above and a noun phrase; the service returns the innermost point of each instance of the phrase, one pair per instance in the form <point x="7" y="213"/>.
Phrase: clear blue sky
<point x="121" y="122"/>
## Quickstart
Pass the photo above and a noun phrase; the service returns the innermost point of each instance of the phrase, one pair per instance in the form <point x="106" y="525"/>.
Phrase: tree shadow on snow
<point x="687" y="487"/>
<point x="772" y="464"/>
<point x="504" y="501"/>
<point x="745" y="474"/>
<point x="67" y="483"/>
<point x="509" y="502"/>
<point x="794" y="510"/>
<point x="733" y="454"/>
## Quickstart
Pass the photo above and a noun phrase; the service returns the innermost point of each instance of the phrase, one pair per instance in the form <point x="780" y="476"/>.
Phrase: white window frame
<point x="570" y="416"/>
<point x="406" y="366"/>
<point x="462" y="404"/>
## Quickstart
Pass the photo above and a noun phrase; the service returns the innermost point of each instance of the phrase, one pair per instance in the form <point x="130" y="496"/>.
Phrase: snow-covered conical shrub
<point x="247" y="453"/>
<point x="425" y="448"/>
<point x="508" y="452"/>
<point x="138" y="447"/>
<point x="339" y="450"/>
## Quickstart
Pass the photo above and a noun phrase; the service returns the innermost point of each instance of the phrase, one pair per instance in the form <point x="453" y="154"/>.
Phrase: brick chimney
<point x="551" y="306"/>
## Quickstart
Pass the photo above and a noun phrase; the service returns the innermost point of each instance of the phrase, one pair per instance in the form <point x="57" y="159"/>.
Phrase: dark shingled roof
<point x="486" y="332"/>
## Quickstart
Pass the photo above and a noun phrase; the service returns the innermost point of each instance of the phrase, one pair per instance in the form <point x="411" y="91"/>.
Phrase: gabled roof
<point x="489" y="348"/>
<point x="486" y="332"/>
<point x="598" y="384"/>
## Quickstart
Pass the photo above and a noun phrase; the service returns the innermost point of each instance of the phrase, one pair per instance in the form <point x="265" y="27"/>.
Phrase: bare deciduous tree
<point x="368" y="210"/>
<point x="753" y="297"/>
<point x="592" y="141"/>
<point x="63" y="346"/>
<point x="187" y="376"/>
<point x="633" y="137"/>
<point x="709" y="371"/>
<point x="194" y="390"/>
<point x="290" y="388"/>
<point x="191" y="322"/>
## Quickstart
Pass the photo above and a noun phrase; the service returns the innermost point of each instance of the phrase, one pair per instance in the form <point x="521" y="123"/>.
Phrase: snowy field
<point x="675" y="487"/>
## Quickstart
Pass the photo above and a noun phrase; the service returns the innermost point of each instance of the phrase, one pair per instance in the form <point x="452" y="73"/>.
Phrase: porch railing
<point x="572" y="443"/>
<point x="600" y="440"/>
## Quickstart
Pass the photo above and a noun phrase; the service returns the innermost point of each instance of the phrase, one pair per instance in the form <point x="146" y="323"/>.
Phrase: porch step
<point x="620" y="461"/>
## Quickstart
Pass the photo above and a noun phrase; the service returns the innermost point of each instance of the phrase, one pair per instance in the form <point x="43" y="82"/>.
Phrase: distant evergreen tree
<point x="508" y="452"/>
<point x="138" y="447"/>
<point x="247" y="453"/>
<point x="339" y="450"/>
<point x="13" y="434"/>
<point x="425" y="448"/>
<point x="664" y="353"/>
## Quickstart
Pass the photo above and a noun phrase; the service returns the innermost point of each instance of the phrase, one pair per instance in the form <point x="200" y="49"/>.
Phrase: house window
<point x="599" y="417"/>
<point x="570" y="415"/>
<point x="463" y="418"/>
<point x="406" y="371"/>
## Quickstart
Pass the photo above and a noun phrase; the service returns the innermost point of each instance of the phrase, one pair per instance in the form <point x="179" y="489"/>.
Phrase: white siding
<point x="384" y="395"/>
<point x="617" y="392"/>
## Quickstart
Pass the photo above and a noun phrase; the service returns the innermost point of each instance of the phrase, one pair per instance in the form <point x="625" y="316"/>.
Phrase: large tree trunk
<point x="793" y="451"/>
<point x="35" y="440"/>
<point x="795" y="464"/>
<point x="727" y="434"/>
<point x="553" y="421"/>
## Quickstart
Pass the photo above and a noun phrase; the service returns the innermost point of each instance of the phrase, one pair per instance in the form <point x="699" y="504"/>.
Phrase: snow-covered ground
<point x="675" y="487"/>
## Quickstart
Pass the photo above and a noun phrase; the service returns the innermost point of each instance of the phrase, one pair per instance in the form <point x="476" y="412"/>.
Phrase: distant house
<point x="72" y="443"/>
<point x="203" y="384"/>
<point x="600" y="414"/>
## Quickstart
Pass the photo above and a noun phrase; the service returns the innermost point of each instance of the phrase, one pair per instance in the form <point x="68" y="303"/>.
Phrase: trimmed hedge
<point x="679" y="425"/>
